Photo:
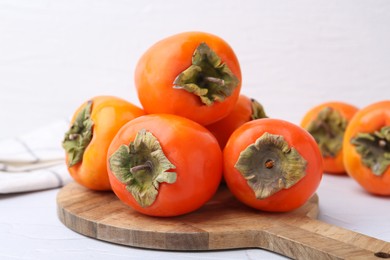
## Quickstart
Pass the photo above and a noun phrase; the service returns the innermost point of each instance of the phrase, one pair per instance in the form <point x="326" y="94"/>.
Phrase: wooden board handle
<point x="306" y="238"/>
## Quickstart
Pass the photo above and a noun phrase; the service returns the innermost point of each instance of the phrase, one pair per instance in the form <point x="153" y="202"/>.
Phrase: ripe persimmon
<point x="164" y="165"/>
<point x="272" y="165"/>
<point x="245" y="110"/>
<point x="327" y="123"/>
<point x="193" y="74"/>
<point x="92" y="128"/>
<point x="367" y="148"/>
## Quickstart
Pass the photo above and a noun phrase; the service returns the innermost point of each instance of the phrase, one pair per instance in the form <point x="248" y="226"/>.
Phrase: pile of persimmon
<point x="354" y="141"/>
<point x="168" y="157"/>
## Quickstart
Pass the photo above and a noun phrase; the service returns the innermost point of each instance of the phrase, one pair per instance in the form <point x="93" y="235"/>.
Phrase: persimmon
<point x="164" y="165"/>
<point x="93" y="126"/>
<point x="327" y="123"/>
<point x="367" y="148"/>
<point x="192" y="74"/>
<point x="245" y="110"/>
<point x="272" y="165"/>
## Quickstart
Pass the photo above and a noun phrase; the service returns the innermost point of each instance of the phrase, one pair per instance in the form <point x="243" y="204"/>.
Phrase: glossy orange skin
<point x="191" y="148"/>
<point x="164" y="61"/>
<point x="368" y="120"/>
<point x="241" y="114"/>
<point x="285" y="199"/>
<point x="109" y="114"/>
<point x="332" y="165"/>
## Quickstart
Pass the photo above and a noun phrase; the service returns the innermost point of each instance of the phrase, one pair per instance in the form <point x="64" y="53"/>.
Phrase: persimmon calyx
<point x="142" y="166"/>
<point x="207" y="77"/>
<point x="257" y="110"/>
<point x="328" y="130"/>
<point x="374" y="149"/>
<point x="270" y="165"/>
<point x="79" y="135"/>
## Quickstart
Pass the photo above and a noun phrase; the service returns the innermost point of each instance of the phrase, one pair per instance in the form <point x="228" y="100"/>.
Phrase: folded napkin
<point x="34" y="161"/>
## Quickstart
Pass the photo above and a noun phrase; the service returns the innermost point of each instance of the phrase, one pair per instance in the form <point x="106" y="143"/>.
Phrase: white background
<point x="56" y="54"/>
<point x="294" y="54"/>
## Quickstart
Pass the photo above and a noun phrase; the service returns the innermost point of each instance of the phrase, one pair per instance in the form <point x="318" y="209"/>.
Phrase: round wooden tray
<point x="222" y="223"/>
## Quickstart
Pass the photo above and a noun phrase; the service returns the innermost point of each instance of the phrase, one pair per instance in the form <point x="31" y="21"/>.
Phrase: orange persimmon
<point x="327" y="123"/>
<point x="93" y="126"/>
<point x="367" y="148"/>
<point x="245" y="110"/>
<point x="164" y="165"/>
<point x="272" y="165"/>
<point x="192" y="74"/>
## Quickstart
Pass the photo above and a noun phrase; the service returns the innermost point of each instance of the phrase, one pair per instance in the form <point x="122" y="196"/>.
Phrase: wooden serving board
<point x="223" y="223"/>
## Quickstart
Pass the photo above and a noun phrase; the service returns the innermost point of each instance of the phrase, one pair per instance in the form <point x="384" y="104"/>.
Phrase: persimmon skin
<point x="368" y="120"/>
<point x="165" y="60"/>
<point x="332" y="165"/>
<point x="109" y="114"/>
<point x="191" y="148"/>
<point x="285" y="199"/>
<point x="241" y="114"/>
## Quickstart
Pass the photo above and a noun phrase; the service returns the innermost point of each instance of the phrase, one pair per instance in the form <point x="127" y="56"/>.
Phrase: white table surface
<point x="294" y="55"/>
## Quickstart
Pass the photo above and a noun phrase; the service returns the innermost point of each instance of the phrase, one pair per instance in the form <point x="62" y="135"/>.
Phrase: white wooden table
<point x="294" y="55"/>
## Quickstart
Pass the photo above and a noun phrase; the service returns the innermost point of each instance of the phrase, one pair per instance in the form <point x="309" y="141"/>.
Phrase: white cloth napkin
<point x="34" y="161"/>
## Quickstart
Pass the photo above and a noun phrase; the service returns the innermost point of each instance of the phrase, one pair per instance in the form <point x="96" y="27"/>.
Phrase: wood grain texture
<point x="223" y="223"/>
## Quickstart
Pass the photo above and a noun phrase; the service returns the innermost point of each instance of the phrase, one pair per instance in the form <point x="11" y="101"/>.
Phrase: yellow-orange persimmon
<point x="367" y="148"/>
<point x="93" y="126"/>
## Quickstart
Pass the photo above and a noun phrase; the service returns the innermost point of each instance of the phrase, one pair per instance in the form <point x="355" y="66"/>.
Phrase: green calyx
<point x="257" y="110"/>
<point x="374" y="149"/>
<point x="328" y="130"/>
<point x="142" y="166"/>
<point x="207" y="77"/>
<point x="270" y="165"/>
<point x="79" y="135"/>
